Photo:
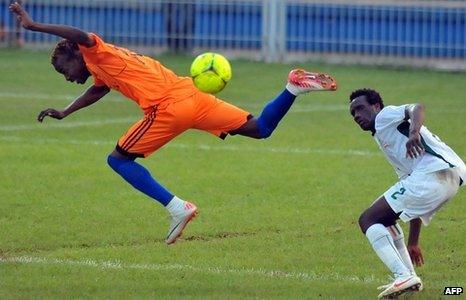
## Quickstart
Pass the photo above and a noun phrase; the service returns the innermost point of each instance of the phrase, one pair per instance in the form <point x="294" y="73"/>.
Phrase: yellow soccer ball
<point x="210" y="72"/>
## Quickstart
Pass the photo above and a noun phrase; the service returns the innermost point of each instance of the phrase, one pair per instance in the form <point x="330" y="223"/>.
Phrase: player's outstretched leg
<point x="299" y="82"/>
<point x="181" y="211"/>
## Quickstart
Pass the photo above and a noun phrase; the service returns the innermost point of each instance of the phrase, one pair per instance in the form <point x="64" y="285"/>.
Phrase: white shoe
<point x="400" y="286"/>
<point x="301" y="81"/>
<point x="421" y="286"/>
<point x="385" y="286"/>
<point x="179" y="220"/>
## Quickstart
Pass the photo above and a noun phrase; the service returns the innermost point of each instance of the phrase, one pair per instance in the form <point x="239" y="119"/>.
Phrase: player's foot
<point x="179" y="220"/>
<point x="400" y="286"/>
<point x="301" y="81"/>
<point x="421" y="286"/>
<point x="385" y="286"/>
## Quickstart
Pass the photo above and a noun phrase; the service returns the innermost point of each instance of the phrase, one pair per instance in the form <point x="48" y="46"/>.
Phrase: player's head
<point x="365" y="104"/>
<point x="67" y="60"/>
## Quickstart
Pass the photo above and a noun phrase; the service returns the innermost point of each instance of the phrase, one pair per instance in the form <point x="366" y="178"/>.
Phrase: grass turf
<point x="278" y="217"/>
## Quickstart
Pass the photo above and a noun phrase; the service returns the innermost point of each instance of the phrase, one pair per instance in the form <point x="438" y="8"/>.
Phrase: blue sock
<point x="140" y="179"/>
<point x="273" y="112"/>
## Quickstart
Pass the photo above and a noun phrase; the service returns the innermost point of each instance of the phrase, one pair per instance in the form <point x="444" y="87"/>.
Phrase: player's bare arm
<point x="413" y="242"/>
<point x="415" y="113"/>
<point x="67" y="32"/>
<point x="92" y="95"/>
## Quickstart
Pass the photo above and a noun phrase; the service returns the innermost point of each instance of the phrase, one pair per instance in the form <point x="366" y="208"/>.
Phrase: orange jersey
<point x="138" y="77"/>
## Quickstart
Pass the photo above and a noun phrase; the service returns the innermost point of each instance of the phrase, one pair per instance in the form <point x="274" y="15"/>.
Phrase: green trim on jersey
<point x="403" y="128"/>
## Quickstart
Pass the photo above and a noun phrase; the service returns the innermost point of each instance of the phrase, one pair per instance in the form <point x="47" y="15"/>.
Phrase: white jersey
<point x="391" y="134"/>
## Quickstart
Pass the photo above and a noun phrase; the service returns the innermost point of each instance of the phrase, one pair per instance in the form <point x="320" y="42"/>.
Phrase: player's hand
<point x="416" y="255"/>
<point x="50" y="112"/>
<point x="414" y="147"/>
<point x="21" y="15"/>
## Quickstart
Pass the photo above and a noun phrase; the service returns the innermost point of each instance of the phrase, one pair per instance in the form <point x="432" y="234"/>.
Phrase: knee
<point x="115" y="159"/>
<point x="113" y="162"/>
<point x="264" y="132"/>
<point x="254" y="128"/>
<point x="365" y="221"/>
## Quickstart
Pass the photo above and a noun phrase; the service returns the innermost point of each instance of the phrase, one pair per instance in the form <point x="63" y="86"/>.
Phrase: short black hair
<point x="372" y="96"/>
<point x="64" y="48"/>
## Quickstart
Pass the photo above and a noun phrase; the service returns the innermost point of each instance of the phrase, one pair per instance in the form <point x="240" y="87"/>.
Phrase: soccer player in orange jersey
<point x="171" y="105"/>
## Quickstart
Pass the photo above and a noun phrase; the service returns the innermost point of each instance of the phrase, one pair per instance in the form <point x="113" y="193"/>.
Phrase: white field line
<point x="258" y="106"/>
<point x="20" y="95"/>
<point x="204" y="147"/>
<point x="117" y="265"/>
<point x="73" y="124"/>
<point x="300" y="108"/>
<point x="64" y="124"/>
<point x="38" y="96"/>
<point x="283" y="150"/>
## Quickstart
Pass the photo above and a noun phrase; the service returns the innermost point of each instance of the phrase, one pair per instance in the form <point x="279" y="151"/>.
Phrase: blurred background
<point x="390" y="32"/>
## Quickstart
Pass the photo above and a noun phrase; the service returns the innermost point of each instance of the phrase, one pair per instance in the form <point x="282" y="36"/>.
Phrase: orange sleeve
<point x="98" y="82"/>
<point x="101" y="58"/>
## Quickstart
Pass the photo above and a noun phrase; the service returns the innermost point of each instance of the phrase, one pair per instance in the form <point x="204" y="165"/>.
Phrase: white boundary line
<point x="204" y="147"/>
<point x="39" y="96"/>
<point x="299" y="108"/>
<point x="27" y="96"/>
<point x="264" y="273"/>
<point x="62" y="124"/>
<point x="116" y="265"/>
<point x="252" y="105"/>
<point x="302" y="151"/>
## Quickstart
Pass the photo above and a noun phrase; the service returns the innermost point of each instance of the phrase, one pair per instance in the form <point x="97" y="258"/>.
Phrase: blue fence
<point x="377" y="30"/>
<point x="406" y="31"/>
<point x="235" y="25"/>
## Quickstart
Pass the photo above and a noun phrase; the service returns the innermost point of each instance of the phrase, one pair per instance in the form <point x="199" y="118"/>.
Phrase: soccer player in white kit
<point x="430" y="174"/>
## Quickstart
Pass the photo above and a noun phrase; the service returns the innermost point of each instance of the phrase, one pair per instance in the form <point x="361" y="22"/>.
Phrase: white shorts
<point x="420" y="195"/>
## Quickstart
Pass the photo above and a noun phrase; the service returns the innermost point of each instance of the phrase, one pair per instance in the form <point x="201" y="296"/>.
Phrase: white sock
<point x="175" y="206"/>
<point x="399" y="242"/>
<point x="382" y="243"/>
<point x="293" y="89"/>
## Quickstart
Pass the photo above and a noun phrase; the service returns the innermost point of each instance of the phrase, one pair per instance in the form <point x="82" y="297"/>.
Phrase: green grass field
<point x="278" y="217"/>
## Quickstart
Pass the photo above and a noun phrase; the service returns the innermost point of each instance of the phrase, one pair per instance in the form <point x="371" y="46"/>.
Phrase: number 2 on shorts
<point x="401" y="192"/>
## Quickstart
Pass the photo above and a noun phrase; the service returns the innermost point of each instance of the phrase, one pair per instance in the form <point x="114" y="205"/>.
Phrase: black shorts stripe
<point x="149" y="119"/>
<point x="134" y="133"/>
<point x="127" y="154"/>
<point x="140" y="134"/>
